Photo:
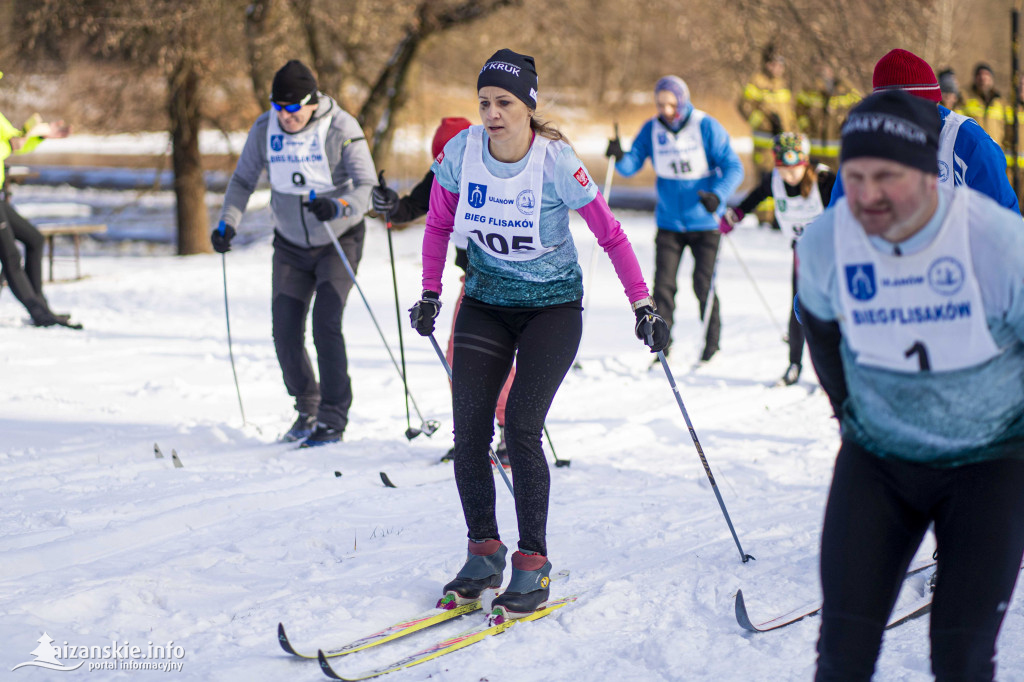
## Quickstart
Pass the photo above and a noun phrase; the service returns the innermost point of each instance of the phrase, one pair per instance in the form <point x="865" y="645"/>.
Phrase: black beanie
<point x="894" y="125"/>
<point x="511" y="71"/>
<point x="292" y="83"/>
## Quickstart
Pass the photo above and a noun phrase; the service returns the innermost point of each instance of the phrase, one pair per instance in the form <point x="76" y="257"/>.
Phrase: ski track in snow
<point x="101" y="540"/>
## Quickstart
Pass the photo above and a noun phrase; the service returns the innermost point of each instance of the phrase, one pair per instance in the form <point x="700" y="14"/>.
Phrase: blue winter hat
<point x="677" y="86"/>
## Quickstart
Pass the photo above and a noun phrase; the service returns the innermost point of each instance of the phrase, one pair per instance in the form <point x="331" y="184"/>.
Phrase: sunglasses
<point x="291" y="108"/>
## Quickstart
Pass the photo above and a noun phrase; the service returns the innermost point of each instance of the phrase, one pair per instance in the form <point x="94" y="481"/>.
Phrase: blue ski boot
<point x="322" y="435"/>
<point x="528" y="589"/>
<point x="301" y="429"/>
<point x="483" y="570"/>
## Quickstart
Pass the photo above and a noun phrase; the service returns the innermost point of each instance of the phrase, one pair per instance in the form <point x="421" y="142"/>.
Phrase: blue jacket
<point x="679" y="208"/>
<point x="984" y="164"/>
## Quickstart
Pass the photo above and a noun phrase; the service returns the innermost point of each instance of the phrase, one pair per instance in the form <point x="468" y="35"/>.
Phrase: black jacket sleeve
<point x="414" y="204"/>
<point x="826" y="181"/>
<point x="757" y="195"/>
<point x="823" y="342"/>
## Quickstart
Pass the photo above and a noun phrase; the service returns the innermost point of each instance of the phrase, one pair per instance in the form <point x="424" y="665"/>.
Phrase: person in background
<point x="912" y="299"/>
<point x="26" y="280"/>
<point x="801" y="192"/>
<point x="768" y="107"/>
<point x="402" y="211"/>
<point x="697" y="172"/>
<point x="507" y="186"/>
<point x="984" y="103"/>
<point x="949" y="87"/>
<point x="306" y="142"/>
<point x="967" y="155"/>
<point x="821" y="110"/>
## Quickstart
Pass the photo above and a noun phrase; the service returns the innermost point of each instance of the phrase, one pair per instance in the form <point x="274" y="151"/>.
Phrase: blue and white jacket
<point x="679" y="208"/>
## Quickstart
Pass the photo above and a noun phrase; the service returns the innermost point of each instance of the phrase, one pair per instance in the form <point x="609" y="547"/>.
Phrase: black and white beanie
<point x="511" y="71"/>
<point x="894" y="125"/>
<point x="292" y="83"/>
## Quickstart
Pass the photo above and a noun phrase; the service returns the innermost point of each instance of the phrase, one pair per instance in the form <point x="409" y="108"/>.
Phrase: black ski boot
<point x="483" y="570"/>
<point x="792" y="374"/>
<point x="528" y="589"/>
<point x="301" y="429"/>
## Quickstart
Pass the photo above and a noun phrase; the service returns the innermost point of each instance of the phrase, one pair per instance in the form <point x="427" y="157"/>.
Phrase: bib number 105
<point x="499" y="244"/>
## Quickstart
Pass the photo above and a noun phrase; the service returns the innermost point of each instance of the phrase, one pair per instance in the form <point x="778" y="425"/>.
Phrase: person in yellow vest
<point x="767" y="104"/>
<point x="821" y="110"/>
<point x="984" y="103"/>
<point x="1014" y="151"/>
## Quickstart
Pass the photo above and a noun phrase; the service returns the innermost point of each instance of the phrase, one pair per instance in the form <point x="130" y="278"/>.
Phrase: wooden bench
<point x="73" y="230"/>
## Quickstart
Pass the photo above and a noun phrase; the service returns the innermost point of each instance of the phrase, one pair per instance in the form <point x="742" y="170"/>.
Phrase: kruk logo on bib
<point x="860" y="281"/>
<point x="277" y="142"/>
<point x="946" y="276"/>
<point x="526" y="202"/>
<point x="943" y="171"/>
<point x="477" y="195"/>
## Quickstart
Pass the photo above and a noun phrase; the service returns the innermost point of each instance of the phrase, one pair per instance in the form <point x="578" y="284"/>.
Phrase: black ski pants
<point x="877" y="513"/>
<point x="543" y="343"/>
<point x="668" y="253"/>
<point x="796" y="330"/>
<point x="298" y="274"/>
<point x="26" y="281"/>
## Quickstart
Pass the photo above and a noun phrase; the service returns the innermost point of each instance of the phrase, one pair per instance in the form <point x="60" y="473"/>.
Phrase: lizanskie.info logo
<point x="114" y="656"/>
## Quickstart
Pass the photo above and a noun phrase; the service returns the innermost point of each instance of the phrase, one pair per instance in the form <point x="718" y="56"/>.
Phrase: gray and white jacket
<point x="352" y="173"/>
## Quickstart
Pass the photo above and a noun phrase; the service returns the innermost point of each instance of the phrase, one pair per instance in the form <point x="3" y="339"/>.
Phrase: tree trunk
<point x="189" y="185"/>
<point x="389" y="92"/>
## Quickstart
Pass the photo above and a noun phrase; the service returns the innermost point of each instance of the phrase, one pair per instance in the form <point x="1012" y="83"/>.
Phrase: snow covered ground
<point x="101" y="541"/>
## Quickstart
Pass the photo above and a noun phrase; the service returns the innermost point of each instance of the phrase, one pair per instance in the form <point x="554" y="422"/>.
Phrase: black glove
<point x="423" y="314"/>
<point x="385" y="199"/>
<point x="615" y="149"/>
<point x="326" y="209"/>
<point x="651" y="328"/>
<point x="221" y="237"/>
<point x="709" y="200"/>
<point x="776" y="123"/>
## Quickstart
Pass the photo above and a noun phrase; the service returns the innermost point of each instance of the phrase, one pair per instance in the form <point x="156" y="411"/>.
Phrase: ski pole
<point x="648" y="332"/>
<point x="767" y="307"/>
<point x="490" y="452"/>
<point x="227" y="319"/>
<point x="558" y="462"/>
<point x="608" y="177"/>
<point x="428" y="426"/>
<point x="410" y="432"/>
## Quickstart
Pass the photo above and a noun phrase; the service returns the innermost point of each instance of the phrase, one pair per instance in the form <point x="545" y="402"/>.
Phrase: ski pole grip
<point x="380" y="179"/>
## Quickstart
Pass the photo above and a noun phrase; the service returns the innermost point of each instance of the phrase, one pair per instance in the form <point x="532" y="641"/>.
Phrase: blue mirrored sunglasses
<point x="291" y="108"/>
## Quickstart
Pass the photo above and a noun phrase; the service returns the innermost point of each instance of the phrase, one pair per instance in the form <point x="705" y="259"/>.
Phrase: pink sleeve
<point x="613" y="240"/>
<point x="440" y="219"/>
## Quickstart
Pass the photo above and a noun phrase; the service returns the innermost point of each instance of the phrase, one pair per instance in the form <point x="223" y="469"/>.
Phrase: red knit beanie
<point x="448" y="129"/>
<point x="903" y="70"/>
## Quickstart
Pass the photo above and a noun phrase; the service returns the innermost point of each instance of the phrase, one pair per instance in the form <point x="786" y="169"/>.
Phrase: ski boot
<point x="322" y="435"/>
<point x="483" y="570"/>
<point x="792" y="374"/>
<point x="527" y="591"/>
<point x="301" y="429"/>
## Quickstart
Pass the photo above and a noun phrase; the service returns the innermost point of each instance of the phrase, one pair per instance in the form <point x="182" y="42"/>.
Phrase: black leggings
<point x="878" y="511"/>
<point x="543" y="342"/>
<point x="26" y="281"/>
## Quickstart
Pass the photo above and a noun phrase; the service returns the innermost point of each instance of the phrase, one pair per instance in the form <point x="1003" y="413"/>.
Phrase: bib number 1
<point x="921" y="352"/>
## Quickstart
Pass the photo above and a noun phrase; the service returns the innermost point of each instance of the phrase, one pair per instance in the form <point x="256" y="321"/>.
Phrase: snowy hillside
<point x="101" y="541"/>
